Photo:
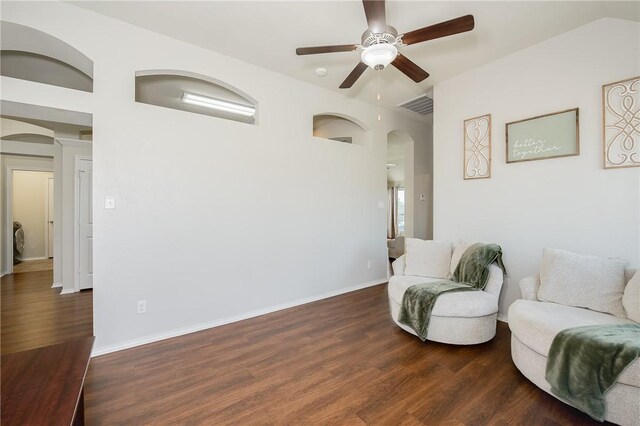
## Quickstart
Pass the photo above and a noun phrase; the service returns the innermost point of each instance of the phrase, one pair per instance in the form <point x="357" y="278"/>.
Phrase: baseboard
<point x="67" y="291"/>
<point x="503" y="318"/>
<point x="228" y="320"/>
<point x="56" y="285"/>
<point x="26" y="259"/>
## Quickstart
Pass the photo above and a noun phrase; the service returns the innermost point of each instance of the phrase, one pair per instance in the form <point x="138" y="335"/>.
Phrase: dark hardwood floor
<point x="337" y="361"/>
<point x="36" y="315"/>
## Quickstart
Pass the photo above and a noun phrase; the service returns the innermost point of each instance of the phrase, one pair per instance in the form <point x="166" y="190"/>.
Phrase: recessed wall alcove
<point x="340" y="128"/>
<point x="30" y="54"/>
<point x="195" y="93"/>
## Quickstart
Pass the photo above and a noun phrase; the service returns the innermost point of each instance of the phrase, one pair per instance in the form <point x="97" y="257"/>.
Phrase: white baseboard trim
<point x="26" y="259"/>
<point x="503" y="318"/>
<point x="67" y="291"/>
<point x="56" y="285"/>
<point x="3" y="273"/>
<point x="228" y="320"/>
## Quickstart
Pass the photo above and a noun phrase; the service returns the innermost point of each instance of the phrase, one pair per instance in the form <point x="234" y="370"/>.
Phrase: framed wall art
<point x="477" y="147"/>
<point x="621" y="123"/>
<point x="551" y="135"/>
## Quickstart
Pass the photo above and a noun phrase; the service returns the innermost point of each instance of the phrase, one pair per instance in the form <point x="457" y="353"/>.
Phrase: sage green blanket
<point x="473" y="267"/>
<point x="472" y="273"/>
<point x="585" y="362"/>
<point x="418" y="301"/>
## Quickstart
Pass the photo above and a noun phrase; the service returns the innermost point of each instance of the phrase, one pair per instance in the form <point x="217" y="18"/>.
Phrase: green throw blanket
<point x="473" y="267"/>
<point x="585" y="362"/>
<point x="418" y="301"/>
<point x="472" y="273"/>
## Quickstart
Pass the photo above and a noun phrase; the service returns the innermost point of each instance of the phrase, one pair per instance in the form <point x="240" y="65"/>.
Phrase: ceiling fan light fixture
<point x="378" y="56"/>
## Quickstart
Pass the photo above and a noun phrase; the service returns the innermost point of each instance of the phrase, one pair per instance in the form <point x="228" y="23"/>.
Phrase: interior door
<point x="50" y="216"/>
<point x="85" y="225"/>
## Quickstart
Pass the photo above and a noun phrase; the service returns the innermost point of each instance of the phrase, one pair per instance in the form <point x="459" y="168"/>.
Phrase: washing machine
<point x="18" y="242"/>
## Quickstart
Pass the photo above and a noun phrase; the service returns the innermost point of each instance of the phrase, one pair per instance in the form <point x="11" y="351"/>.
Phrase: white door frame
<point x="47" y="213"/>
<point x="76" y="218"/>
<point x="8" y="202"/>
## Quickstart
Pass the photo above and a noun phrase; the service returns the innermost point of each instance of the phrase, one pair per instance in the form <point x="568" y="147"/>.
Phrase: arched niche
<point x="195" y="93"/>
<point x="340" y="128"/>
<point x="30" y="54"/>
<point x="20" y="131"/>
<point x="39" y="124"/>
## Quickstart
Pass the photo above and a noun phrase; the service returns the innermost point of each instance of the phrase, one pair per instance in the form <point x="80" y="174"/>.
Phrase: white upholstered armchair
<point x="461" y="318"/>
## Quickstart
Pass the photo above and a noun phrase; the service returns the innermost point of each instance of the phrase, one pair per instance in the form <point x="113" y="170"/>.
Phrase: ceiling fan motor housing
<point x="390" y="36"/>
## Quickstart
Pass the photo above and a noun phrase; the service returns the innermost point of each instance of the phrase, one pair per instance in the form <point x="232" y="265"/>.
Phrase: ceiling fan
<point x="381" y="41"/>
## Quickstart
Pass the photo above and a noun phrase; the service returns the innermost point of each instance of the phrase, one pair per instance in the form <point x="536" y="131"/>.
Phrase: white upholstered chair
<point x="460" y="318"/>
<point x="535" y="323"/>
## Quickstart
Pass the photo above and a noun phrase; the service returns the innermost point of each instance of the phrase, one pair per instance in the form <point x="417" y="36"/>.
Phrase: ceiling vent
<point x="422" y="105"/>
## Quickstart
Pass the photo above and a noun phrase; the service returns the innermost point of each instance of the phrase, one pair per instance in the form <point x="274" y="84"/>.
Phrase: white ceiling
<point x="266" y="34"/>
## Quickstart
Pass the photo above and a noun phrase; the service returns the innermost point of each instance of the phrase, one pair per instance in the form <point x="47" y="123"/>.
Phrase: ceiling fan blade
<point x="443" y="29"/>
<point x="355" y="74"/>
<point x="376" y="15"/>
<point x="326" y="49"/>
<point x="409" y="68"/>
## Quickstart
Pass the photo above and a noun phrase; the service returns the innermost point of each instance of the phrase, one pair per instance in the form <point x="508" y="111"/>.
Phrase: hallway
<point x="36" y="315"/>
<point x="33" y="266"/>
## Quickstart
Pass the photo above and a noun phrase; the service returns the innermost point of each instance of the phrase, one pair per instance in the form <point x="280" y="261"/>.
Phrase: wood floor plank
<point x="336" y="361"/>
<point x="33" y="266"/>
<point x="35" y="315"/>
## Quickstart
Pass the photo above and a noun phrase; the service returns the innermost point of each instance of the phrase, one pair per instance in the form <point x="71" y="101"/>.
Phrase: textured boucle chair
<point x="460" y="318"/>
<point x="534" y="323"/>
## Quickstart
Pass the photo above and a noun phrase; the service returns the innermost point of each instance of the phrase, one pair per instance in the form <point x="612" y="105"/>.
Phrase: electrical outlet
<point x="369" y="264"/>
<point x="142" y="306"/>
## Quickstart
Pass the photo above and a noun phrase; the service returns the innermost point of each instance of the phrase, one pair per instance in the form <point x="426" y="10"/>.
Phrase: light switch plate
<point x="422" y="197"/>
<point x="109" y="201"/>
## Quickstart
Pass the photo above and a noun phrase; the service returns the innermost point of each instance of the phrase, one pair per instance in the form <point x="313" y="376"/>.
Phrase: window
<point x="400" y="204"/>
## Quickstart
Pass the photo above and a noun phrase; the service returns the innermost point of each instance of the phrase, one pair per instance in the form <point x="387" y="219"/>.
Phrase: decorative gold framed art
<point x="477" y="147"/>
<point x="621" y="123"/>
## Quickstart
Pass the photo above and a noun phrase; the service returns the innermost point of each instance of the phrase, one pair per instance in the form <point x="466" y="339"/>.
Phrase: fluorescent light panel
<point x="218" y="104"/>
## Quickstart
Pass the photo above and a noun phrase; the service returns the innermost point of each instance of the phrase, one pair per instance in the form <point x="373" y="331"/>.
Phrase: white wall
<point x="297" y="219"/>
<point x="568" y="203"/>
<point x="29" y="208"/>
<point x="422" y="178"/>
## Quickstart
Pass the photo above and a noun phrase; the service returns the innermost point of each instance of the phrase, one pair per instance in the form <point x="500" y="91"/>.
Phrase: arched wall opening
<point x="30" y="54"/>
<point x="341" y="128"/>
<point x="195" y="93"/>
<point x="400" y="190"/>
<point x="37" y="138"/>
<point x="417" y="181"/>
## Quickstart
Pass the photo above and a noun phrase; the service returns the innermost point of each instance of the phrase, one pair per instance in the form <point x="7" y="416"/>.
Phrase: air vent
<point x="422" y="105"/>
